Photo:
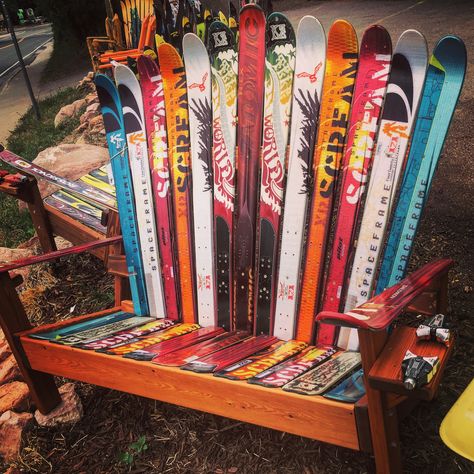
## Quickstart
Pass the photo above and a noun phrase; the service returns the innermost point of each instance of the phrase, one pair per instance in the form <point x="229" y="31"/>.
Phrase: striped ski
<point x="134" y="123"/>
<point x="223" y="55"/>
<point x="341" y="69"/>
<point x="369" y="92"/>
<point x="279" y="69"/>
<point x="404" y="88"/>
<point x="444" y="80"/>
<point x="250" y="114"/>
<point x="283" y="373"/>
<point x="155" y="121"/>
<point x="112" y="114"/>
<point x="309" y="74"/>
<point x="198" y="75"/>
<point x="177" y="120"/>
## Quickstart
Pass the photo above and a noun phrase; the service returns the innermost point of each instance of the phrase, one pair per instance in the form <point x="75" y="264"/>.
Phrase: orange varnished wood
<point x="127" y="305"/>
<point x="74" y="231"/>
<point x="386" y="373"/>
<point x="312" y="417"/>
<point x="117" y="265"/>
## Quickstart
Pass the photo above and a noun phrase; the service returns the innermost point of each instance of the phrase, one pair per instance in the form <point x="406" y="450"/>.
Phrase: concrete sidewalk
<point x="14" y="98"/>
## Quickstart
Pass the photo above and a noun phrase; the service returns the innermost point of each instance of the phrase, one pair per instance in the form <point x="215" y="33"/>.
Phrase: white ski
<point x="308" y="81"/>
<point x="198" y="74"/>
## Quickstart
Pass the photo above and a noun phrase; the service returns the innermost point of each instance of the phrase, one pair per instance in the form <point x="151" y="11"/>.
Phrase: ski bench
<point x="226" y="246"/>
<point x="63" y="213"/>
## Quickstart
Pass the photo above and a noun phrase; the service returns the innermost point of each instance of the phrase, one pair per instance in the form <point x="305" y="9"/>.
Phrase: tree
<point x="74" y="20"/>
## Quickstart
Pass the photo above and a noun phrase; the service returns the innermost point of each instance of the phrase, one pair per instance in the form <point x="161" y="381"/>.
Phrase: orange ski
<point x="341" y="69"/>
<point x="176" y="103"/>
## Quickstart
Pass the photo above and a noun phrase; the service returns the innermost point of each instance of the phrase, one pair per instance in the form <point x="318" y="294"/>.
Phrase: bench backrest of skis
<point x="177" y="122"/>
<point x="341" y="69"/>
<point x="250" y="113"/>
<point x="198" y="75"/>
<point x="443" y="85"/>
<point x="369" y="93"/>
<point x="134" y="123"/>
<point x="115" y="132"/>
<point x="309" y="74"/>
<point x="223" y="53"/>
<point x="78" y="188"/>
<point x="401" y="104"/>
<point x="279" y="70"/>
<point x="151" y="85"/>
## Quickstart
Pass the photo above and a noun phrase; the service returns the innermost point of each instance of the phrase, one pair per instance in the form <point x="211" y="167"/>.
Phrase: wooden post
<point x="382" y="417"/>
<point x="13" y="319"/>
<point x="39" y="217"/>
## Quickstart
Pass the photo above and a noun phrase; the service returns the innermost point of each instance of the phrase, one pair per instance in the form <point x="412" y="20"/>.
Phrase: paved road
<point x="30" y="39"/>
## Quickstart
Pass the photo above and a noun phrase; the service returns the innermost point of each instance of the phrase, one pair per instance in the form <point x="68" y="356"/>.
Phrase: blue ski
<point x="443" y="85"/>
<point x="114" y="127"/>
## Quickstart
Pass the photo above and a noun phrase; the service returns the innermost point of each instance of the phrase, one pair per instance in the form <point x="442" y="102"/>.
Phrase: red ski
<point x="369" y="92"/>
<point x="171" y="345"/>
<point x="189" y="354"/>
<point x="231" y="355"/>
<point x="250" y="119"/>
<point x="155" y="121"/>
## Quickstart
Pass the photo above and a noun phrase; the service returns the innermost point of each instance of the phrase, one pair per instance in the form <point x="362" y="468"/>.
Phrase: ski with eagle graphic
<point x="198" y="74"/>
<point x="309" y="73"/>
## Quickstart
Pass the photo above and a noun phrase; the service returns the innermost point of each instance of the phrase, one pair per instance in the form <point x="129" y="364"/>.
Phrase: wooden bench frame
<point x="369" y="425"/>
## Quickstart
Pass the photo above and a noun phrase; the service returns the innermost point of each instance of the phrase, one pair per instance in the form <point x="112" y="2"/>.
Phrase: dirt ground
<point x="184" y="441"/>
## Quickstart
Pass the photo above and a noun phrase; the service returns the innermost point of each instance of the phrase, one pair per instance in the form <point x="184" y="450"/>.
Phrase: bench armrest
<point x="47" y="257"/>
<point x="380" y="311"/>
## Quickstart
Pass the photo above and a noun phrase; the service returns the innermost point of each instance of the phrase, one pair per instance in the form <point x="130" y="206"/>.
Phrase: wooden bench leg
<point x="13" y="319"/>
<point x="382" y="418"/>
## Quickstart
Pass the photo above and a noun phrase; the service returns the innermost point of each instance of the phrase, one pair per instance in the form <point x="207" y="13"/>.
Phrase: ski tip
<point x="411" y="41"/>
<point x="449" y="52"/>
<point x="193" y="45"/>
<point x="310" y="28"/>
<point x="279" y="29"/>
<point x="252" y="7"/>
<point x="376" y="40"/>
<point x="220" y="37"/>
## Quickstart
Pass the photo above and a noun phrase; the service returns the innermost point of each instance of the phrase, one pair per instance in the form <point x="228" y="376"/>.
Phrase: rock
<point x="91" y="98"/>
<point x="69" y="161"/>
<point x="96" y="121"/>
<point x="69" y="111"/>
<point x="87" y="116"/>
<point x="14" y="396"/>
<point x="87" y="81"/>
<point x="12" y="426"/>
<point x="9" y="370"/>
<point x="5" y="350"/>
<point x="93" y="107"/>
<point x="67" y="412"/>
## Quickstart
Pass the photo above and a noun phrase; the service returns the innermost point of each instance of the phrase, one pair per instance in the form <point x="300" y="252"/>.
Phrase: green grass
<point x="29" y="138"/>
